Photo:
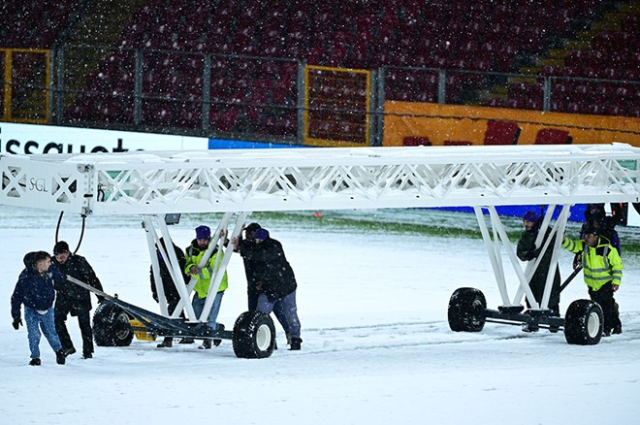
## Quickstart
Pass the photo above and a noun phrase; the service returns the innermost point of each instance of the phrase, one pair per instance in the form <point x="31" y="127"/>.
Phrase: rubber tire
<point x="254" y="335"/>
<point x="111" y="326"/>
<point x="466" y="311"/>
<point x="583" y="323"/>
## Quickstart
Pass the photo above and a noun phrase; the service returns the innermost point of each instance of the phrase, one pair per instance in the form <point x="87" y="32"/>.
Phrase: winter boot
<point x="60" y="357"/>
<point x="206" y="344"/>
<point x="166" y="343"/>
<point x="288" y="335"/>
<point x="35" y="362"/>
<point x="295" y="344"/>
<point x="217" y="342"/>
<point x="617" y="330"/>
<point x="87" y="355"/>
<point x="69" y="351"/>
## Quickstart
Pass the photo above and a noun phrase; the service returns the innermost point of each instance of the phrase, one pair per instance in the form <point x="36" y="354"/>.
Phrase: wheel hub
<point x="263" y="337"/>
<point x="593" y="324"/>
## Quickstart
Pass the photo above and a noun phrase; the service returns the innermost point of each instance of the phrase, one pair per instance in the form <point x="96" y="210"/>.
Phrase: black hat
<point x="60" y="248"/>
<point x="252" y="227"/>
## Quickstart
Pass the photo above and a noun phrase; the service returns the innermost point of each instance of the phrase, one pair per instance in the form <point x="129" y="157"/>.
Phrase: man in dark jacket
<point x="244" y="247"/>
<point x="170" y="292"/>
<point x="273" y="278"/>
<point x="35" y="290"/>
<point x="74" y="299"/>
<point x="527" y="251"/>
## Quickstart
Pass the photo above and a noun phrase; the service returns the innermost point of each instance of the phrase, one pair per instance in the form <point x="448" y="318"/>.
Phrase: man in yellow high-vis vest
<point x="602" y="268"/>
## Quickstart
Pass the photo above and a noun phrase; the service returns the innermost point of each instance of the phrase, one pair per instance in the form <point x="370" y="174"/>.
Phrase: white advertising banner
<point x="34" y="139"/>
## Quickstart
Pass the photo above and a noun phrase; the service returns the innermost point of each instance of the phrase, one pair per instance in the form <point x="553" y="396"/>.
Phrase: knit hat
<point x="261" y="234"/>
<point x="531" y="216"/>
<point x="252" y="227"/>
<point x="60" y="248"/>
<point x="203" y="232"/>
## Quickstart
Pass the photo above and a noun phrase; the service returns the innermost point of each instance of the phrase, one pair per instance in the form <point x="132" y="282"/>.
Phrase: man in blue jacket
<point x="35" y="290"/>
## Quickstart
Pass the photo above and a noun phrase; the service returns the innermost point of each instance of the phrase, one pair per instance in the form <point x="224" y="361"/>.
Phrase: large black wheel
<point x="583" y="323"/>
<point x="254" y="335"/>
<point x="467" y="310"/>
<point x="111" y="326"/>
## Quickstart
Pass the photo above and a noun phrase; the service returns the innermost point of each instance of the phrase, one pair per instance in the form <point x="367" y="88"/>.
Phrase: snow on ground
<point x="377" y="346"/>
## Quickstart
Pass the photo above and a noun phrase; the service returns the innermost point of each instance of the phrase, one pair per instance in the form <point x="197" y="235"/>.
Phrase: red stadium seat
<point x="552" y="136"/>
<point x="501" y="133"/>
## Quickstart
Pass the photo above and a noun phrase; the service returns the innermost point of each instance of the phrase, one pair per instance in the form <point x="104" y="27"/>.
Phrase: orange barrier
<point x="451" y="125"/>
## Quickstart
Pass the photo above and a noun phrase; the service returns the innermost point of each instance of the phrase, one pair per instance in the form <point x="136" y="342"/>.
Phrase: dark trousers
<point x="84" y="320"/>
<point x="289" y="308"/>
<point x="252" y="298"/>
<point x="604" y="297"/>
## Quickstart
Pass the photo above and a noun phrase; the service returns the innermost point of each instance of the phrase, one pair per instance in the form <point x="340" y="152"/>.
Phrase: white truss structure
<point x="241" y="181"/>
<point x="312" y="179"/>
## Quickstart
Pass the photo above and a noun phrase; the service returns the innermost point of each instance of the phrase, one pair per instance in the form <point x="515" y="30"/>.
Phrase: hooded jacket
<point x="601" y="264"/>
<point x="193" y="256"/>
<point x="527" y="251"/>
<point x="33" y="289"/>
<point x="270" y="267"/>
<point x="72" y="297"/>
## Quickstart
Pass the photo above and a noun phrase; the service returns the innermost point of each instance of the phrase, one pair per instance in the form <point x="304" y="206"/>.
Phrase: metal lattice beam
<point x="308" y="179"/>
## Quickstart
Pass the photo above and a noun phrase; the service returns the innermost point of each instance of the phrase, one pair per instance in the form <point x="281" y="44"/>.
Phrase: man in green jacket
<point x="602" y="268"/>
<point x="194" y="254"/>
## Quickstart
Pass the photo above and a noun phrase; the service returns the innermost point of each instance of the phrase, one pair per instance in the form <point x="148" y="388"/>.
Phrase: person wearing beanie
<point x="274" y="281"/>
<point x="35" y="290"/>
<point x="193" y="256"/>
<point x="602" y="272"/>
<point x="244" y="246"/>
<point x="595" y="216"/>
<point x="74" y="300"/>
<point x="531" y="217"/>
<point x="203" y="232"/>
<point x="528" y="251"/>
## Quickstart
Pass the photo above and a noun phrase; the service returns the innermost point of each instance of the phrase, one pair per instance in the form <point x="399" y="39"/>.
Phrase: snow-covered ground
<point x="377" y="346"/>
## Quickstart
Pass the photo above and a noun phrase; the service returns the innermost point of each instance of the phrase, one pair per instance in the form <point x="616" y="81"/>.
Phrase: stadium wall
<point x="453" y="124"/>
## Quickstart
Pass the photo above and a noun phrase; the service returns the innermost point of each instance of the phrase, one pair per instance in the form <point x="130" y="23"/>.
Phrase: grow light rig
<point x="237" y="182"/>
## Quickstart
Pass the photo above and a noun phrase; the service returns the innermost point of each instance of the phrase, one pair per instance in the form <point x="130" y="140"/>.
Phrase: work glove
<point x="17" y="323"/>
<point x="577" y="261"/>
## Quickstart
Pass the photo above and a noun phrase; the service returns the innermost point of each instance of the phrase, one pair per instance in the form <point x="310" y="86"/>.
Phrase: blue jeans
<point x="198" y="306"/>
<point x="287" y="306"/>
<point x="35" y="322"/>
<point x="252" y="297"/>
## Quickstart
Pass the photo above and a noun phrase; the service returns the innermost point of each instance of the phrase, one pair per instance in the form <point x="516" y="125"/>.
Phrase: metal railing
<point x="262" y="98"/>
